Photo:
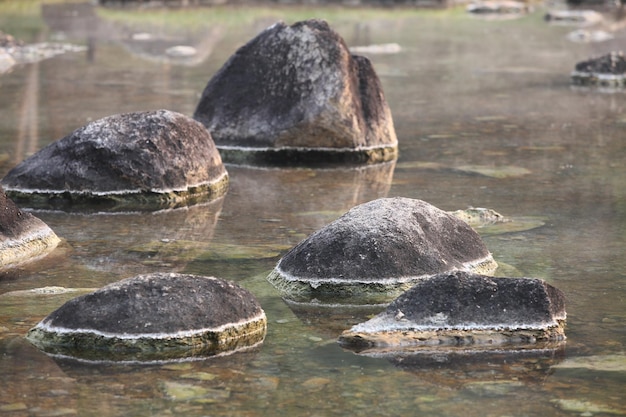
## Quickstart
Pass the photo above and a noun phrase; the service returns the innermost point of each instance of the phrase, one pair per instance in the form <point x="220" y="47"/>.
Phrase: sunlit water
<point x="485" y="116"/>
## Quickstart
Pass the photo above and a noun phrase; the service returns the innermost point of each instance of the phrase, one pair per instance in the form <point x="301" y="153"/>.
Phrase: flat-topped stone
<point x="461" y="308"/>
<point x="154" y="317"/>
<point x="295" y="94"/>
<point x="148" y="160"/>
<point x="23" y="237"/>
<point x="379" y="249"/>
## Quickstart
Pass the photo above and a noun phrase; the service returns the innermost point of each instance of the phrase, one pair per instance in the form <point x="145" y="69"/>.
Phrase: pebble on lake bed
<point x="461" y="308"/>
<point x="154" y="317"/>
<point x="377" y="250"/>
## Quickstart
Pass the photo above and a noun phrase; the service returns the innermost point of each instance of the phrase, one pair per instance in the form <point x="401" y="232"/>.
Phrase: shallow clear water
<point x="485" y="116"/>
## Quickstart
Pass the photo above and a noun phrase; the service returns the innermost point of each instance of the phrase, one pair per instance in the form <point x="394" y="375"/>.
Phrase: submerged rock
<point x="295" y="94"/>
<point x="608" y="70"/>
<point x="379" y="249"/>
<point x="23" y="237"/>
<point x="478" y="216"/>
<point x="154" y="317"/>
<point x="462" y="308"/>
<point x="148" y="160"/>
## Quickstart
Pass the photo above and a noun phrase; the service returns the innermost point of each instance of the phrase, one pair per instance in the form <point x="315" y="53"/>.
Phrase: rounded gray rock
<point x="379" y="249"/>
<point x="294" y="94"/>
<point x="154" y="317"/>
<point x="23" y="237"/>
<point x="461" y="308"/>
<point x="148" y="160"/>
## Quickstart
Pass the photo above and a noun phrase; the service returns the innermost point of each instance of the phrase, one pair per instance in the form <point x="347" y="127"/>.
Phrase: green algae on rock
<point x="155" y="317"/>
<point x="377" y="250"/>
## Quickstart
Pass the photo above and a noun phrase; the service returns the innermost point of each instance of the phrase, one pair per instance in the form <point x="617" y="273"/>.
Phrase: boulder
<point x="461" y="308"/>
<point x="154" y="317"/>
<point x="578" y="17"/>
<point x="379" y="249"/>
<point x="608" y="70"/>
<point x="499" y="7"/>
<point x="295" y="94"/>
<point x="150" y="160"/>
<point x="23" y="237"/>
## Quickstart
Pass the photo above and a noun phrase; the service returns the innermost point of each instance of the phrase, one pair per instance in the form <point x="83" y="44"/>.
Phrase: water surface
<point x="485" y="116"/>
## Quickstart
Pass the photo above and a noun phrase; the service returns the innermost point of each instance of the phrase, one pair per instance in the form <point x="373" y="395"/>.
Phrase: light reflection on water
<point x="463" y="92"/>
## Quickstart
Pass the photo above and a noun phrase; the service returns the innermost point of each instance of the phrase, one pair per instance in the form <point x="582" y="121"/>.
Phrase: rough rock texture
<point x="23" y="237"/>
<point x="154" y="317"/>
<point x="464" y="308"/>
<point x="607" y="70"/>
<point x="296" y="94"/>
<point x="148" y="159"/>
<point x="380" y="249"/>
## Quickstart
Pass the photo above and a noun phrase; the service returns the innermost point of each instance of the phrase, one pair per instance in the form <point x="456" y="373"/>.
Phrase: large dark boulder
<point x="379" y="249"/>
<point x="460" y="308"/>
<point x="151" y="159"/>
<point x="296" y="94"/>
<point x="23" y="237"/>
<point x="154" y="317"/>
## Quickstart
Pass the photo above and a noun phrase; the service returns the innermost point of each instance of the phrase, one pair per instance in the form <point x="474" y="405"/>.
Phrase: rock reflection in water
<point x="184" y="385"/>
<point x="33" y="383"/>
<point x="477" y="369"/>
<point x="330" y="320"/>
<point x="123" y="243"/>
<point x="285" y="205"/>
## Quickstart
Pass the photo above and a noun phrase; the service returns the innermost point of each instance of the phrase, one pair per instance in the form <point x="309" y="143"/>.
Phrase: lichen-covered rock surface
<point x="146" y="160"/>
<point x="295" y="94"/>
<point x="154" y="317"/>
<point x="379" y="249"/>
<point x="461" y="308"/>
<point x="23" y="237"/>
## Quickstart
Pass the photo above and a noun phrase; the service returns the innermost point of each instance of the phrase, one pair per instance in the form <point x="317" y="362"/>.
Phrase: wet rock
<point x="478" y="216"/>
<point x="573" y="17"/>
<point x="377" y="250"/>
<point x="462" y="308"/>
<point x="509" y="8"/>
<point x="154" y="317"/>
<point x="144" y="160"/>
<point x="23" y="237"/>
<point x="607" y="70"/>
<point x="294" y="94"/>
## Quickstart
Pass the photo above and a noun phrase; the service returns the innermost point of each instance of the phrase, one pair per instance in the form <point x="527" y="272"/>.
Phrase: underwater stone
<point x="608" y="70"/>
<point x="154" y="317"/>
<point x="23" y="237"/>
<point x="379" y="249"/>
<point x="148" y="160"/>
<point x="461" y="308"/>
<point x="294" y="94"/>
